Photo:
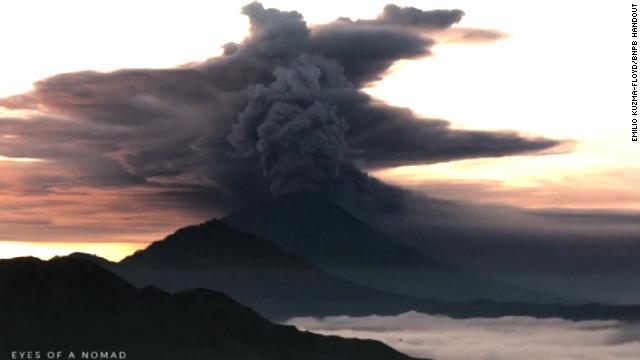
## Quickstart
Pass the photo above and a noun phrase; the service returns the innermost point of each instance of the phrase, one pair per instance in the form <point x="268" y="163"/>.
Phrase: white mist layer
<point x="444" y="338"/>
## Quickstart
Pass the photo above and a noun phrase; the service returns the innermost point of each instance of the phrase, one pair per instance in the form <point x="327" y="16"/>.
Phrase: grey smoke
<point x="411" y="16"/>
<point x="299" y="140"/>
<point x="192" y="126"/>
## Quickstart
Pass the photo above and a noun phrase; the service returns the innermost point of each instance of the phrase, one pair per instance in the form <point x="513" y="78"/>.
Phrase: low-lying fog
<point x="443" y="338"/>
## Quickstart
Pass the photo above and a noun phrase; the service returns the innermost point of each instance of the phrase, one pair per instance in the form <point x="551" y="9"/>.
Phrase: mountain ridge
<point x="274" y="282"/>
<point x="72" y="304"/>
<point x="336" y="241"/>
<point x="311" y="292"/>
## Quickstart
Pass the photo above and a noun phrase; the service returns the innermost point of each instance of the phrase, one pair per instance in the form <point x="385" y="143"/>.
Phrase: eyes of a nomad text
<point x="58" y="355"/>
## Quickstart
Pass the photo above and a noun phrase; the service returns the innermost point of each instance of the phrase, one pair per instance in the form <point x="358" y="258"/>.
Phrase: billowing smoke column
<point x="282" y="111"/>
<point x="298" y="138"/>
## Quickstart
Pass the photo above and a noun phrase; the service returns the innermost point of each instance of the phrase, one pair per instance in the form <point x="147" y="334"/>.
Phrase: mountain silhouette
<point x="336" y="241"/>
<point x="280" y="285"/>
<point x="71" y="304"/>
<point x="274" y="282"/>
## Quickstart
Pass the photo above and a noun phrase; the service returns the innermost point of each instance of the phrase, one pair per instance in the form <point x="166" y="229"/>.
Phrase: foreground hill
<point x="71" y="304"/>
<point x="328" y="236"/>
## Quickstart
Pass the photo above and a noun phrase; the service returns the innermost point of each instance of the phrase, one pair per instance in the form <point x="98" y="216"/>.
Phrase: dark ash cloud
<point x="410" y="16"/>
<point x="390" y="136"/>
<point x="283" y="109"/>
<point x="298" y="138"/>
<point x="367" y="52"/>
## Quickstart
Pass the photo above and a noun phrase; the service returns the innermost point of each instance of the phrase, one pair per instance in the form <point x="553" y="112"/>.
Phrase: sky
<point x="558" y="72"/>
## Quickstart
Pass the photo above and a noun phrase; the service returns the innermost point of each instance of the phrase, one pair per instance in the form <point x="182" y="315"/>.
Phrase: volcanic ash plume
<point x="292" y="127"/>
